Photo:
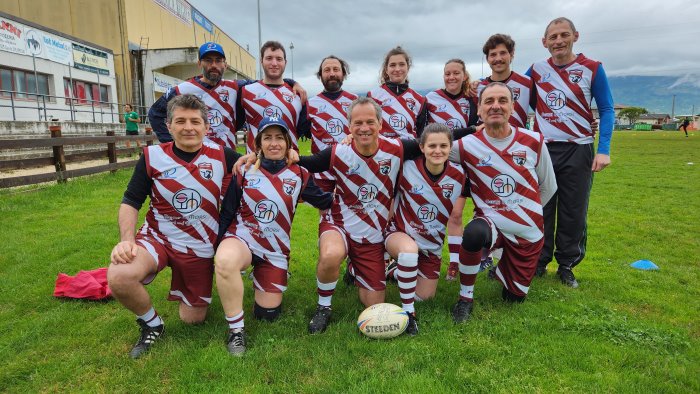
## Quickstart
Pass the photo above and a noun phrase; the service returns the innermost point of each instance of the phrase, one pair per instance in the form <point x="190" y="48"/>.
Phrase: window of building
<point x="23" y="84"/>
<point x="86" y="93"/>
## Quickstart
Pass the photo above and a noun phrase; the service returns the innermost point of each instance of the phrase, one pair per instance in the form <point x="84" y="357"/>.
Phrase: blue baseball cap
<point x="269" y="121"/>
<point x="211" y="47"/>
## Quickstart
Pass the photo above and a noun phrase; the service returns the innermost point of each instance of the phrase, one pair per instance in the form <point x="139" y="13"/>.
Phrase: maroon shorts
<point x="429" y="266"/>
<point x="192" y="276"/>
<point x="518" y="263"/>
<point x="268" y="277"/>
<point x="366" y="260"/>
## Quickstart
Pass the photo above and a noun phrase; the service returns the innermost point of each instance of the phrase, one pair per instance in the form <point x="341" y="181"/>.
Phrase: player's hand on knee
<point x="124" y="252"/>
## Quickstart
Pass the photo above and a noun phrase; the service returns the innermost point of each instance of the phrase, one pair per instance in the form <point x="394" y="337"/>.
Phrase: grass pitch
<point x="623" y="330"/>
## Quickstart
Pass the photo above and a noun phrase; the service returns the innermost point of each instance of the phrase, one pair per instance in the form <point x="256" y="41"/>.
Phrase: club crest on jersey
<point x="224" y="95"/>
<point x="519" y="157"/>
<point x="206" y="170"/>
<point x="334" y="127"/>
<point x="453" y="123"/>
<point x="345" y="106"/>
<point x="447" y="190"/>
<point x="516" y="93"/>
<point x="215" y="118"/>
<point x="272" y="112"/>
<point x="265" y="211"/>
<point x="575" y="75"/>
<point x="503" y="185"/>
<point x="287" y="97"/>
<point x="367" y="193"/>
<point x="398" y="122"/>
<point x="168" y="174"/>
<point x="556" y="99"/>
<point x="186" y="200"/>
<point x="289" y="185"/>
<point x="411" y="103"/>
<point x="484" y="162"/>
<point x="464" y="106"/>
<point x="384" y="166"/>
<point x="427" y="213"/>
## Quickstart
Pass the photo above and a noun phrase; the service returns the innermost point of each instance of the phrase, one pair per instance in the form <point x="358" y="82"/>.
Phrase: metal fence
<point x="102" y="111"/>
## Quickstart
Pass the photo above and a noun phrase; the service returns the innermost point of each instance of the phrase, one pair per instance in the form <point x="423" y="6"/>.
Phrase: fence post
<point x="112" y="150"/>
<point x="149" y="132"/>
<point x="59" y="156"/>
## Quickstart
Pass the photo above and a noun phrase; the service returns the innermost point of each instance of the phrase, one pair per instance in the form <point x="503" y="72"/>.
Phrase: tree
<point x="632" y="113"/>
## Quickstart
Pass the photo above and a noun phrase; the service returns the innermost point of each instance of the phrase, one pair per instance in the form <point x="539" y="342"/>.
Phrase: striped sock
<point x="235" y="321"/>
<point x="468" y="268"/>
<point x="325" y="292"/>
<point x="151" y="318"/>
<point x="453" y="244"/>
<point x="406" y="275"/>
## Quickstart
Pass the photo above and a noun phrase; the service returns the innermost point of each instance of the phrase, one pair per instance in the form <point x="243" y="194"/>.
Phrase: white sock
<point x="151" y="318"/>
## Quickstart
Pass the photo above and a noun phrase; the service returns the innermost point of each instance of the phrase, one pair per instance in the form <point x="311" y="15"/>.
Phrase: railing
<point x="46" y="104"/>
<point x="58" y="158"/>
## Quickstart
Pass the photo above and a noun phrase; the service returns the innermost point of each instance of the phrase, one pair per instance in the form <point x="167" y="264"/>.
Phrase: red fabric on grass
<point x="90" y="285"/>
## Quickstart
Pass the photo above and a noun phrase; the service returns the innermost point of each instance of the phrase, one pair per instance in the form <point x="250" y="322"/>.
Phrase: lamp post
<point x="291" y="48"/>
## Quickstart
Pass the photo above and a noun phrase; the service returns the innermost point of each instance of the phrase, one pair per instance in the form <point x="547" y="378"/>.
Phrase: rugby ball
<point x="383" y="321"/>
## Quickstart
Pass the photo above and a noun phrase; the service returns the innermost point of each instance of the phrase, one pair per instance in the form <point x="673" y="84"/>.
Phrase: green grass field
<point x="623" y="330"/>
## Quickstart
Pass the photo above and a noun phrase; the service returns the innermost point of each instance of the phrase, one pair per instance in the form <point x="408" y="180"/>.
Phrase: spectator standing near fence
<point x="131" y="119"/>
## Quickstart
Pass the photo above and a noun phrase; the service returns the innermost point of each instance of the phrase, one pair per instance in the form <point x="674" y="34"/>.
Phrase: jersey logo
<point x="442" y="108"/>
<point x="398" y="122"/>
<point x="387" y="102"/>
<point x="453" y="123"/>
<point x="545" y="78"/>
<point x="519" y="157"/>
<point x="260" y="96"/>
<point x="345" y="106"/>
<point x="516" y="93"/>
<point x="416" y="189"/>
<point x="448" y="189"/>
<point x="287" y="97"/>
<point x="251" y="183"/>
<point x="367" y="192"/>
<point x="265" y="211"/>
<point x="484" y="162"/>
<point x="214" y="116"/>
<point x="427" y="213"/>
<point x="354" y="170"/>
<point x="464" y="106"/>
<point x="168" y="174"/>
<point x="556" y="99"/>
<point x="384" y="166"/>
<point x="575" y="75"/>
<point x="224" y="95"/>
<point x="411" y="103"/>
<point x="272" y="111"/>
<point x="289" y="185"/>
<point x="503" y="185"/>
<point x="206" y="170"/>
<point x="334" y="127"/>
<point x="186" y="200"/>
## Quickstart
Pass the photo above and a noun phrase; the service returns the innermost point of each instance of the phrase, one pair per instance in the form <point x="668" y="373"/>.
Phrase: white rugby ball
<point x="382" y="321"/>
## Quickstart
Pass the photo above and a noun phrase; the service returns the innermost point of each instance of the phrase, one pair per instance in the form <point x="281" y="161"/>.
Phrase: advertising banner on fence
<point x="12" y="37"/>
<point x="89" y="59"/>
<point x="180" y="8"/>
<point x="162" y="82"/>
<point x="202" y="21"/>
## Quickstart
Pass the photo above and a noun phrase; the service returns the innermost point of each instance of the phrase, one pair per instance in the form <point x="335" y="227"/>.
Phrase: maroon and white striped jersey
<point x="444" y="110"/>
<point x="329" y="122"/>
<point x="185" y="198"/>
<point x="423" y="206"/>
<point x="221" y="100"/>
<point x="399" y="113"/>
<point x="268" y="204"/>
<point x="259" y="100"/>
<point x="563" y="112"/>
<point x="504" y="184"/>
<point x="521" y="85"/>
<point x="364" y="190"/>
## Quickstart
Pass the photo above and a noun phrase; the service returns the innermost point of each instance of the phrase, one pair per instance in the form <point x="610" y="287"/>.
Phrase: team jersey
<point x="563" y="112"/>
<point x="221" y="100"/>
<point x="521" y="85"/>
<point x="444" y="110"/>
<point x="260" y="100"/>
<point x="184" y="207"/>
<point x="329" y="123"/>
<point x="504" y="184"/>
<point x="399" y="113"/>
<point x="423" y="206"/>
<point x="365" y="189"/>
<point x="268" y="204"/>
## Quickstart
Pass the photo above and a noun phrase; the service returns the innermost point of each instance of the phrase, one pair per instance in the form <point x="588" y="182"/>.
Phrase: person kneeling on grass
<point x="427" y="190"/>
<point x="184" y="180"/>
<point x="263" y="201"/>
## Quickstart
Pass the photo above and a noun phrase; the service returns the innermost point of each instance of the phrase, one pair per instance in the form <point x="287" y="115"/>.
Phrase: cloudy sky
<point x="641" y="37"/>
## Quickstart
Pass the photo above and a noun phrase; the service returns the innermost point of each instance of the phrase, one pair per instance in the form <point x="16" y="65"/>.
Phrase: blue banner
<point x="202" y="21"/>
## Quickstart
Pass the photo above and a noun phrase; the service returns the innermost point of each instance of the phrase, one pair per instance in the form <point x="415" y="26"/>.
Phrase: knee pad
<point x="476" y="236"/>
<point x="510" y="297"/>
<point x="267" y="314"/>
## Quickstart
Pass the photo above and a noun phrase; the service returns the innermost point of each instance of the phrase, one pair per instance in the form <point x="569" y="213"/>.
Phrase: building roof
<point x="654" y="116"/>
